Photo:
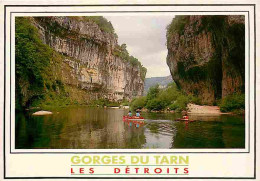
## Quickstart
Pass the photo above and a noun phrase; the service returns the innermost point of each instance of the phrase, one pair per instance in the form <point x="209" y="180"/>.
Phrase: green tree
<point x="32" y="59"/>
<point x="155" y="105"/>
<point x="102" y="22"/>
<point x="233" y="102"/>
<point x="138" y="103"/>
<point x="153" y="92"/>
<point x="123" y="47"/>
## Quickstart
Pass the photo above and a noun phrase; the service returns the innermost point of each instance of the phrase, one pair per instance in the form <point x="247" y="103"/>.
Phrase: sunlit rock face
<point x="206" y="55"/>
<point x="89" y="62"/>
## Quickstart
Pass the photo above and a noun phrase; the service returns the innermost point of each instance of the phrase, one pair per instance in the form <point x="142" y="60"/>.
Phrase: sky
<point x="145" y="38"/>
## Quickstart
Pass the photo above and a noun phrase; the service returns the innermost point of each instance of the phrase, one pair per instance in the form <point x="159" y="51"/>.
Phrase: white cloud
<point x="145" y="37"/>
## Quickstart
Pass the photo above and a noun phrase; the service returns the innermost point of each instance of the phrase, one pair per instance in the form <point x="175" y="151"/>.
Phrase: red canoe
<point x="180" y="119"/>
<point x="133" y="118"/>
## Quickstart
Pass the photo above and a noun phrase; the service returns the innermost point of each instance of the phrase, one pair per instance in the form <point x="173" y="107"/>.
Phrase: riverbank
<point x="199" y="109"/>
<point x="172" y="99"/>
<point x="193" y="109"/>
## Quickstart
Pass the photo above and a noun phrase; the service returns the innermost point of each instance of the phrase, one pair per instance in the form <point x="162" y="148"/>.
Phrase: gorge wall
<point x="84" y="57"/>
<point x="206" y="55"/>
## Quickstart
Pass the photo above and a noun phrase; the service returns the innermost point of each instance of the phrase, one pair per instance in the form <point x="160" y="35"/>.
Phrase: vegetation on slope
<point x="177" y="25"/>
<point x="171" y="98"/>
<point x="36" y="83"/>
<point x="158" y="99"/>
<point x="233" y="103"/>
<point x="102" y="22"/>
<point x="121" y="51"/>
<point x="32" y="65"/>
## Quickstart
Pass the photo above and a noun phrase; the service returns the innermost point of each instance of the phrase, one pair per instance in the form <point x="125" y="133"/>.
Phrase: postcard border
<point x="4" y="115"/>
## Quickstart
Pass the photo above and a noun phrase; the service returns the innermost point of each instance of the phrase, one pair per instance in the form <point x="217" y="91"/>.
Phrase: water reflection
<point x="86" y="128"/>
<point x="133" y="123"/>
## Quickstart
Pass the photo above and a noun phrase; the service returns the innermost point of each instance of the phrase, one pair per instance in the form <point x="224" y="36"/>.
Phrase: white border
<point x="211" y="165"/>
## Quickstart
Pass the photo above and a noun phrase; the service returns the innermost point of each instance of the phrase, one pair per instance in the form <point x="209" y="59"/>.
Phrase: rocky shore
<point x="198" y="109"/>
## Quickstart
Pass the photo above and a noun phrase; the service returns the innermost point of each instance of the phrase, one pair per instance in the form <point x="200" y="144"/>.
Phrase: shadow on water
<point x="87" y="128"/>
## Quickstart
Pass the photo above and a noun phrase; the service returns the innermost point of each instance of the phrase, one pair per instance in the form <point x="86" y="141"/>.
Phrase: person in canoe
<point x="137" y="114"/>
<point x="129" y="114"/>
<point x="185" y="117"/>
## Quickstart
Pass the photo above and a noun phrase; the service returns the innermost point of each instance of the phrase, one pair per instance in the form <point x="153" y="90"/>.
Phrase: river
<point x="89" y="128"/>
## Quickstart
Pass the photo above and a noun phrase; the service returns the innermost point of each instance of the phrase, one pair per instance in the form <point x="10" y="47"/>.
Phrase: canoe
<point x="133" y="118"/>
<point x="139" y="119"/>
<point x="180" y="119"/>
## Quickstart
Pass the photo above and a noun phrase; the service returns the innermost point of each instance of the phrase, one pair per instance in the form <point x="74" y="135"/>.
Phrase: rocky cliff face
<point x="90" y="62"/>
<point x="206" y="55"/>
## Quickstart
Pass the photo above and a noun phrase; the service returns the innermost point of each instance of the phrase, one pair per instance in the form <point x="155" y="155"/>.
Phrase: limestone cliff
<point x="206" y="55"/>
<point x="91" y="59"/>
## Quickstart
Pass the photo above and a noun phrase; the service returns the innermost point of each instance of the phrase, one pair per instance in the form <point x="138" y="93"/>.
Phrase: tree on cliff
<point x="32" y="60"/>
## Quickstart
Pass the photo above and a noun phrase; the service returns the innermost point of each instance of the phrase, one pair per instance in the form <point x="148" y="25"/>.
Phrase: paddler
<point x="186" y="117"/>
<point x="130" y="114"/>
<point x="137" y="114"/>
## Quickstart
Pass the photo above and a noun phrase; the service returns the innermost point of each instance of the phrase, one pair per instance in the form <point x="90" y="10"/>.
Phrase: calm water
<point x="84" y="127"/>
